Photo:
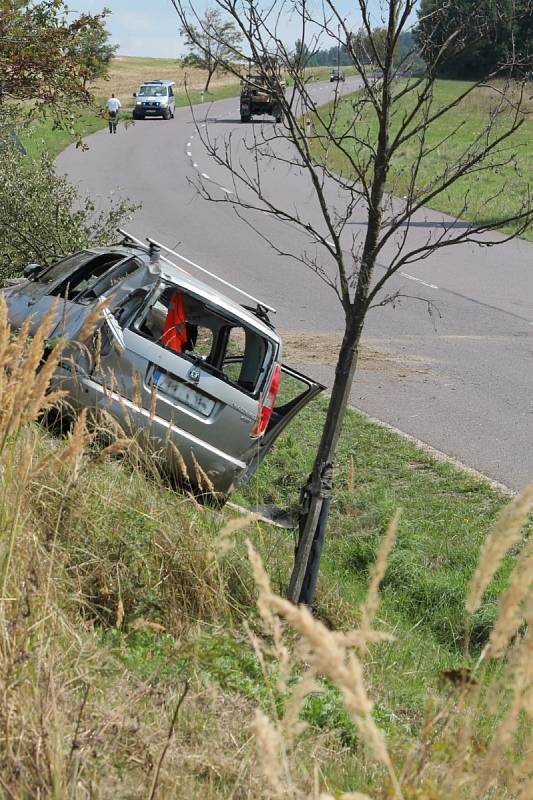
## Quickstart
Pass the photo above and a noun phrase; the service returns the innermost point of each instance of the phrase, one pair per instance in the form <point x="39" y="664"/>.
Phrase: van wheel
<point x="245" y="117"/>
<point x="279" y="118"/>
<point x="166" y="113"/>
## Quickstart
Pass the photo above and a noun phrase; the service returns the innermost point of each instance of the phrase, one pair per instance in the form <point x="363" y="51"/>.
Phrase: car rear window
<point x="190" y="327"/>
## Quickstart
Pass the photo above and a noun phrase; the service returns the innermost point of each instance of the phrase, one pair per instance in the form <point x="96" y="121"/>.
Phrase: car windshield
<point x="153" y="91"/>
<point x="64" y="267"/>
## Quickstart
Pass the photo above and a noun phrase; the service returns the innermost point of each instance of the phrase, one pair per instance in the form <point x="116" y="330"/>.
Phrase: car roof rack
<point x="261" y="309"/>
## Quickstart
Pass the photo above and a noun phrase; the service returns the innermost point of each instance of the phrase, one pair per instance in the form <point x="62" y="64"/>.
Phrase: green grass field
<point x="487" y="195"/>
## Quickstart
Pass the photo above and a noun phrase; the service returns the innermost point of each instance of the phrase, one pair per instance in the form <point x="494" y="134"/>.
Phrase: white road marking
<point x="228" y="191"/>
<point x="331" y="244"/>
<point x="189" y="153"/>
<point x="418" y="280"/>
<point x="204" y="175"/>
<point x="195" y="165"/>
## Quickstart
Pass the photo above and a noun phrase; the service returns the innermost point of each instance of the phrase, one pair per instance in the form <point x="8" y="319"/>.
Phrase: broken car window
<point x="184" y="324"/>
<point x="64" y="267"/>
<point x="87" y="275"/>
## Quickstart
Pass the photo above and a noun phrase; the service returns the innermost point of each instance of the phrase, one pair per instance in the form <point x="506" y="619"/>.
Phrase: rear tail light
<point x="266" y="405"/>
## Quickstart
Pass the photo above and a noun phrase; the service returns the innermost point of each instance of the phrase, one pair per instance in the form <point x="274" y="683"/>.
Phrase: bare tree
<point x="213" y="41"/>
<point x="390" y="112"/>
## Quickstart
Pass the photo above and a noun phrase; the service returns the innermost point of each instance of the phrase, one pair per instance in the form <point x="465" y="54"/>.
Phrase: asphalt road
<point x="457" y="379"/>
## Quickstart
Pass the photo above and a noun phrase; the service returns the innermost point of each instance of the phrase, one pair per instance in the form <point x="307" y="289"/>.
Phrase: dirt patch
<point x="322" y="348"/>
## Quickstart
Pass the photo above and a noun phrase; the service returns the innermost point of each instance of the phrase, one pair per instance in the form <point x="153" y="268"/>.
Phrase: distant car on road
<point x="154" y="99"/>
<point x="336" y="75"/>
<point x="194" y="375"/>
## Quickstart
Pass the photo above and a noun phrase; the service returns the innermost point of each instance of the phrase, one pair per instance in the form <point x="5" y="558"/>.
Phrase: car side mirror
<point x="115" y="330"/>
<point x="31" y="271"/>
<point x="135" y="94"/>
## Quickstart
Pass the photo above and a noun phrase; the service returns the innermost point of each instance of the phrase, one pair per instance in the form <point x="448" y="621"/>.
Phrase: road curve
<point x="457" y="379"/>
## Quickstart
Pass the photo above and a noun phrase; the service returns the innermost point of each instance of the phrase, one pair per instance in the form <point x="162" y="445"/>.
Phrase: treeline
<point x="475" y="37"/>
<point x="339" y="55"/>
<point x="461" y="39"/>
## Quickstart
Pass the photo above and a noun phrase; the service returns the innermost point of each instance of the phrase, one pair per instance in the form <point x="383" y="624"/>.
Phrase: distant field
<point x="128" y="72"/>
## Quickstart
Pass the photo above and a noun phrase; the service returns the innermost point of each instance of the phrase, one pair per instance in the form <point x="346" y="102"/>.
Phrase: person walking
<point x="113" y="105"/>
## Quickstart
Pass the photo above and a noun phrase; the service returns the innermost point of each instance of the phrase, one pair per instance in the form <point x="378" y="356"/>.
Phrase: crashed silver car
<point x="196" y="374"/>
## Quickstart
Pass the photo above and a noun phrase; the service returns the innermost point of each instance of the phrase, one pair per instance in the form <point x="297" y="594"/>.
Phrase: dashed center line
<point x="419" y="280"/>
<point x="205" y="175"/>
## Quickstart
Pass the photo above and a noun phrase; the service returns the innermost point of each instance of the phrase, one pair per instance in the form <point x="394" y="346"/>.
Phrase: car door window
<point x="97" y="286"/>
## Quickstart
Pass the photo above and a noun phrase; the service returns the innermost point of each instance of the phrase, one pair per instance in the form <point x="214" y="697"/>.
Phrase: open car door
<point x="296" y="391"/>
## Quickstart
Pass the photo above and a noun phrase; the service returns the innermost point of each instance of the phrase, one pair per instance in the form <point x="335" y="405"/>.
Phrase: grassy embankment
<point x="112" y="598"/>
<point x="491" y="194"/>
<point x="117" y="594"/>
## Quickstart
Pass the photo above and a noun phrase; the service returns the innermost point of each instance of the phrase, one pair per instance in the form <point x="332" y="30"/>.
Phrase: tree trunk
<point x="210" y="73"/>
<point x="320" y="481"/>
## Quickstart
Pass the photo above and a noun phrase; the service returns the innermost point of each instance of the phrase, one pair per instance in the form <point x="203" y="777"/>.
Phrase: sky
<point x="151" y="27"/>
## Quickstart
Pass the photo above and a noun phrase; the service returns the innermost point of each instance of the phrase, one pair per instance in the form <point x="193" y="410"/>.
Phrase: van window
<point x="180" y="322"/>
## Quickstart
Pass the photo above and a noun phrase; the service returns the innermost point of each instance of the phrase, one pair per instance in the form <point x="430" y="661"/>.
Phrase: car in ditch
<point x="194" y="374"/>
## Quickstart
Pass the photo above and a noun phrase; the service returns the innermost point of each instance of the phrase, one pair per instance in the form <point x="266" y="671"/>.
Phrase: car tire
<point x="245" y="117"/>
<point x="279" y="118"/>
<point x="137" y="116"/>
<point x="166" y="113"/>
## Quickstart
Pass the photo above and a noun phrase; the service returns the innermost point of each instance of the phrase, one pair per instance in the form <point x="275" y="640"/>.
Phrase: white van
<point x="154" y="99"/>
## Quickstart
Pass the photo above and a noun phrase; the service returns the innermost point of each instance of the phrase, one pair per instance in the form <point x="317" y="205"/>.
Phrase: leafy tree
<point x="36" y="53"/>
<point x="471" y="38"/>
<point x="92" y="52"/>
<point x="37" y="223"/>
<point x="212" y="40"/>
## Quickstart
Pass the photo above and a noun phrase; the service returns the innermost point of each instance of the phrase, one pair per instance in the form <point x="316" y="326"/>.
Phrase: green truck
<point x="261" y="91"/>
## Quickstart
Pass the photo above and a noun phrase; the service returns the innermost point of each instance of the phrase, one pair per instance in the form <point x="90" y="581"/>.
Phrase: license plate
<point x="260" y="97"/>
<point x="183" y="394"/>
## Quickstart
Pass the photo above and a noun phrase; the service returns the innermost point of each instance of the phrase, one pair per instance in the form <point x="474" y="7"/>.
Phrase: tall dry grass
<point x="454" y="755"/>
<point x="89" y="544"/>
<point x="92" y="550"/>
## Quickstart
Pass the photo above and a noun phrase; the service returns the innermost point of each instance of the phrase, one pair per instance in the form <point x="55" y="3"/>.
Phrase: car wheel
<point x="279" y="118"/>
<point x="166" y="113"/>
<point x="245" y="117"/>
